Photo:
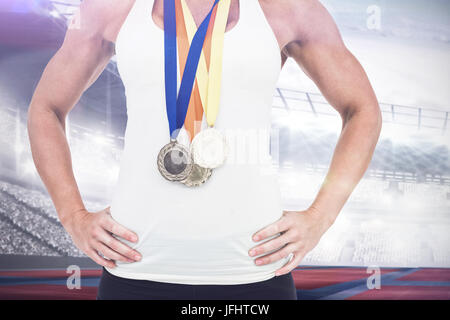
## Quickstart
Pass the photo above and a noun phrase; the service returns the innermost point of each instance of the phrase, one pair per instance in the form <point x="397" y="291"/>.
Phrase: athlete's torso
<point x="200" y="235"/>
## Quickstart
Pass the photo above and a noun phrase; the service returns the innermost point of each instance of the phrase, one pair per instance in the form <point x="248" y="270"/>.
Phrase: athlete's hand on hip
<point x="300" y="231"/>
<point x="92" y="233"/>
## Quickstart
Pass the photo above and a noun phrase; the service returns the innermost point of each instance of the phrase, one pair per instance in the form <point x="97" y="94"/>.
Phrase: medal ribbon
<point x="185" y="34"/>
<point x="211" y="108"/>
<point x="210" y="86"/>
<point x="177" y="105"/>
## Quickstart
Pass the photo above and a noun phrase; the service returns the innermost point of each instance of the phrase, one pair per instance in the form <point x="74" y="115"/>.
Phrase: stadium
<point x="397" y="219"/>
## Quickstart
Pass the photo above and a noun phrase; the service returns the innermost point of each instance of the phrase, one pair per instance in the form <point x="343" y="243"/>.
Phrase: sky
<point x="406" y="18"/>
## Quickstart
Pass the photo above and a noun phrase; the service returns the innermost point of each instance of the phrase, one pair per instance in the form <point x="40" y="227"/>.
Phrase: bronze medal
<point x="198" y="176"/>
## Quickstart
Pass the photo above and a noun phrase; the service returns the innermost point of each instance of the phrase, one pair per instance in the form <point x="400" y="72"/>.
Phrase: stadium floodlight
<point x="101" y="140"/>
<point x="54" y="14"/>
<point x="65" y="8"/>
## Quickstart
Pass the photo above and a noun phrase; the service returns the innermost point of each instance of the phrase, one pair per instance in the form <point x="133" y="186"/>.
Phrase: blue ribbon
<point x="177" y="106"/>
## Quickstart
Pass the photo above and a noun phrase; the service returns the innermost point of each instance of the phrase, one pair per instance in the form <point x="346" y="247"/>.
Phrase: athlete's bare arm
<point x="84" y="54"/>
<point x="307" y="33"/>
<point x="318" y="48"/>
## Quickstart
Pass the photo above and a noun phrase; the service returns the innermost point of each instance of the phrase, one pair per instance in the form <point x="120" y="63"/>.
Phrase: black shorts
<point x="116" y="288"/>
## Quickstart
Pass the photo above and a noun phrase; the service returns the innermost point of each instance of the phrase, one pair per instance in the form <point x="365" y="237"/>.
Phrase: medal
<point x="197" y="176"/>
<point x="174" y="160"/>
<point x="209" y="148"/>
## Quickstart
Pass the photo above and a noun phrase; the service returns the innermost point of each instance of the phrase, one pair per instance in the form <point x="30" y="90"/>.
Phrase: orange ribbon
<point x="194" y="114"/>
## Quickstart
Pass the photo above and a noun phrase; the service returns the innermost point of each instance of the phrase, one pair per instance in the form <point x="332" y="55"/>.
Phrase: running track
<point x="335" y="283"/>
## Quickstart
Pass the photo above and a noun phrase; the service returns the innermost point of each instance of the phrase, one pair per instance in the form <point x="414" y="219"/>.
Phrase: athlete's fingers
<point x="117" y="229"/>
<point x="275" y="256"/>
<point x="110" y="254"/>
<point x="118" y="246"/>
<point x="93" y="254"/>
<point x="291" y="265"/>
<point x="281" y="225"/>
<point x="270" y="245"/>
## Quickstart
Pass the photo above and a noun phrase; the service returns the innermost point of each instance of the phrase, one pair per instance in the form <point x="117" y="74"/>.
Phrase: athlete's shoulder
<point x="292" y="7"/>
<point x="102" y="17"/>
<point x="301" y="20"/>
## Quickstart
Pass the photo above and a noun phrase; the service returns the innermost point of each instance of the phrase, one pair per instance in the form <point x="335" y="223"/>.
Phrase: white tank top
<point x="198" y="235"/>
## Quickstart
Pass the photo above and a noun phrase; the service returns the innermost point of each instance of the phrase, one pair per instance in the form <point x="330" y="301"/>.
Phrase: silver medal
<point x="174" y="162"/>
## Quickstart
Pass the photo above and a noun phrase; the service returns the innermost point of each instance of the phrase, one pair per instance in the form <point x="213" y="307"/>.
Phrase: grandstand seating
<point x="29" y="225"/>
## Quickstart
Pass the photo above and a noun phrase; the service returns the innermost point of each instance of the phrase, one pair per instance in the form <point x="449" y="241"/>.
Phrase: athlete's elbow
<point x="40" y="112"/>
<point x="367" y="112"/>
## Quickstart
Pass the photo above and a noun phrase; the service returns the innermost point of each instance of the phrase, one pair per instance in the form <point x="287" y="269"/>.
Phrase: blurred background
<point x="399" y="214"/>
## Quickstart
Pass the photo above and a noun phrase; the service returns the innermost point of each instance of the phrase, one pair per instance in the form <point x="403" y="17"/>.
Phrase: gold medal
<point x="209" y="148"/>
